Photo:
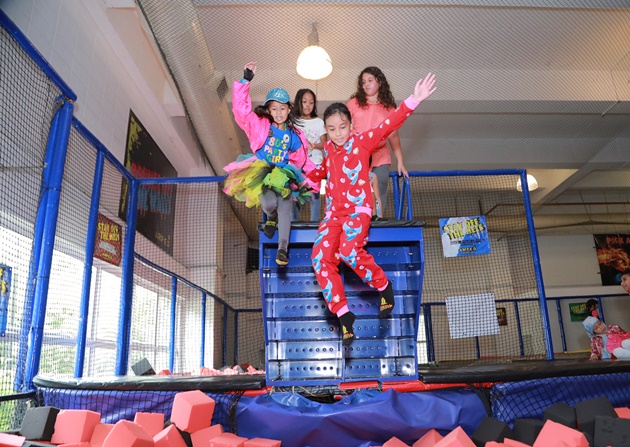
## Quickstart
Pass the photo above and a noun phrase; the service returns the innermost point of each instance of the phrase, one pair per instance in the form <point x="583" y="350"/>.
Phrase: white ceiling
<point x="536" y="84"/>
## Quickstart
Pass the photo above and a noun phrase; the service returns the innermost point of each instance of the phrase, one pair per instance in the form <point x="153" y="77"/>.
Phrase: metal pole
<point x="126" y="288"/>
<point x="47" y="243"/>
<point x="202" y="357"/>
<point x="171" y="343"/>
<point x="92" y="227"/>
<point x="537" y="270"/>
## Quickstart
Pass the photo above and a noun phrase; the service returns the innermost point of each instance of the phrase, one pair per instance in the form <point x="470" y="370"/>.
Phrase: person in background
<point x="625" y="281"/>
<point x="607" y="340"/>
<point x="305" y="108"/>
<point x="369" y="106"/>
<point x="592" y="308"/>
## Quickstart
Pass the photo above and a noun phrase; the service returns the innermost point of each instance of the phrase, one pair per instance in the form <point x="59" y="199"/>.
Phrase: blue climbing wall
<point x="302" y="338"/>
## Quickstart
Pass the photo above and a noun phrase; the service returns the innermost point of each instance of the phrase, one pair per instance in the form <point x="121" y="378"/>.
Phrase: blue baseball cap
<point x="278" y="94"/>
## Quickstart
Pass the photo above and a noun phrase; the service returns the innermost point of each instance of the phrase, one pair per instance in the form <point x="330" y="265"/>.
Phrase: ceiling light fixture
<point x="532" y="183"/>
<point x="314" y="62"/>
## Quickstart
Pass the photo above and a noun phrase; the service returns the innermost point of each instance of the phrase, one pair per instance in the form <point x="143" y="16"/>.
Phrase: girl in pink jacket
<point x="272" y="176"/>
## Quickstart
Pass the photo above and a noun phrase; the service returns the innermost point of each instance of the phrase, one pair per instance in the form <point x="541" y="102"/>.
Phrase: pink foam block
<point x="169" y="437"/>
<point x="164" y="372"/>
<point x="456" y="438"/>
<point x="100" y="433"/>
<point x="494" y="444"/>
<point x="7" y="440"/>
<point x="512" y="443"/>
<point x="75" y="444"/>
<point x="202" y="437"/>
<point x="623" y="412"/>
<point x="554" y="434"/>
<point x="128" y="434"/>
<point x="72" y="426"/>
<point x="153" y="423"/>
<point x="227" y="440"/>
<point x="429" y="439"/>
<point x="394" y="442"/>
<point x="192" y="411"/>
<point x="262" y="442"/>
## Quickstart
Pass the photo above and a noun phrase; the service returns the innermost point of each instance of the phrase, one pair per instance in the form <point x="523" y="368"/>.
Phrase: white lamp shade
<point x="532" y="183"/>
<point x="314" y="63"/>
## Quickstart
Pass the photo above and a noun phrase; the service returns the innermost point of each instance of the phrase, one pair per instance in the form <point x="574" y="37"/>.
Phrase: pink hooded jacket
<point x="257" y="130"/>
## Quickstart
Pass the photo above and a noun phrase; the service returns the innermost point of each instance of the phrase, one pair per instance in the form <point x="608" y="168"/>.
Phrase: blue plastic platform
<point x="302" y="338"/>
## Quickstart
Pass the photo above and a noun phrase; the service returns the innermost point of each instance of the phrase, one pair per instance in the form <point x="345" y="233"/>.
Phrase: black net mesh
<point x="116" y="405"/>
<point x="504" y="277"/>
<point x="24" y="124"/>
<point x="203" y="264"/>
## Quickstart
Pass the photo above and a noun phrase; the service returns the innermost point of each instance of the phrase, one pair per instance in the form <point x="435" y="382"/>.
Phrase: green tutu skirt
<point x="248" y="177"/>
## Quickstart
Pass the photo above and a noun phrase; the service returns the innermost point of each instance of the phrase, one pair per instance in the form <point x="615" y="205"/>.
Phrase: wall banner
<point x="613" y="255"/>
<point x="108" y="245"/>
<point x="156" y="203"/>
<point x="5" y="293"/>
<point x="464" y="236"/>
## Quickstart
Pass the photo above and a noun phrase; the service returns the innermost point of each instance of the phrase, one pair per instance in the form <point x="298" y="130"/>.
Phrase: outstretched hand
<point x="249" y="71"/>
<point x="424" y="88"/>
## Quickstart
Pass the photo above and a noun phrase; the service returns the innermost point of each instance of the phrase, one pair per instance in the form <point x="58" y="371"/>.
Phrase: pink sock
<point x="343" y="310"/>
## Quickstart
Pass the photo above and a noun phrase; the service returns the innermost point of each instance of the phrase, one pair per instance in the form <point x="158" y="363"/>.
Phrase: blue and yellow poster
<point x="5" y="293"/>
<point x="464" y="236"/>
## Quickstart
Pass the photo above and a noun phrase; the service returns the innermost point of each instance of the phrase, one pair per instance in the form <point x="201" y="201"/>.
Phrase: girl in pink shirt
<point x="342" y="234"/>
<point x="369" y="106"/>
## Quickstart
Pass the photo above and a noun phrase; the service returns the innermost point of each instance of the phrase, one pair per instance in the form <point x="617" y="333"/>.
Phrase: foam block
<point x="37" y="444"/>
<point x="611" y="431"/>
<point x="153" y="423"/>
<point x="202" y="437"/>
<point x="192" y="411"/>
<point x="227" y="440"/>
<point x="126" y="433"/>
<point x="623" y="412"/>
<point x="490" y="429"/>
<point x="554" y="434"/>
<point x="75" y="444"/>
<point x="262" y="442"/>
<point x="39" y="423"/>
<point x="7" y="440"/>
<point x="514" y="443"/>
<point x="456" y="438"/>
<point x="429" y="439"/>
<point x="526" y="430"/>
<point x="562" y="414"/>
<point x="169" y="437"/>
<point x="75" y="426"/>
<point x="100" y="433"/>
<point x="588" y="409"/>
<point x="143" y="368"/>
<point x="394" y="442"/>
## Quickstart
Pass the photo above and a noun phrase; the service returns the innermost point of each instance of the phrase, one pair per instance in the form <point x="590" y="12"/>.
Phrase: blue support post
<point x="92" y="227"/>
<point x="27" y="313"/>
<point x="601" y="309"/>
<point x="53" y="188"/>
<point x="428" y="329"/>
<point x="204" y="301"/>
<point x="126" y="288"/>
<point x="407" y="185"/>
<point x="477" y="348"/>
<point x="171" y="342"/>
<point x="396" y="193"/>
<point x="537" y="270"/>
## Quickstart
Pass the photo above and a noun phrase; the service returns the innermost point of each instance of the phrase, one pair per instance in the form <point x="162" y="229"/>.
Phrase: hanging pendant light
<point x="314" y="62"/>
<point x="532" y="183"/>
